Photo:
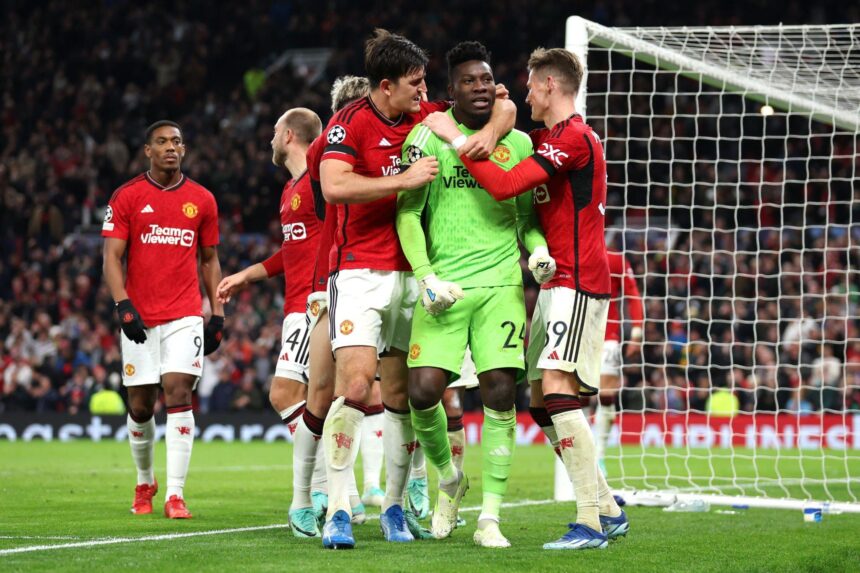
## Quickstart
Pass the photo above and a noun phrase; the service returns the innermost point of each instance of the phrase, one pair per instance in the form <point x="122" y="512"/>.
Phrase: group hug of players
<point x="401" y="231"/>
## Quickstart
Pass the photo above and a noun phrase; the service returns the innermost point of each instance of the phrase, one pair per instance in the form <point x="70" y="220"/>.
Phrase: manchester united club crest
<point x="190" y="210"/>
<point x="414" y="351"/>
<point x="315" y="308"/>
<point x="129" y="369"/>
<point x="502" y="154"/>
<point x="346" y="327"/>
<point x="295" y="202"/>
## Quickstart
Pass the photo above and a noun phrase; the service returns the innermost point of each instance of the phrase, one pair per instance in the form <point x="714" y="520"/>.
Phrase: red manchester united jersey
<point x="326" y="214"/>
<point x="571" y="205"/>
<point x="295" y="258"/>
<point x="163" y="227"/>
<point x="362" y="136"/>
<point x="623" y="289"/>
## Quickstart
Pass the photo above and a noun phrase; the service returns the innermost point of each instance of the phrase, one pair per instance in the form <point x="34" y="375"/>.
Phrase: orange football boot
<point x="174" y="508"/>
<point x="143" y="495"/>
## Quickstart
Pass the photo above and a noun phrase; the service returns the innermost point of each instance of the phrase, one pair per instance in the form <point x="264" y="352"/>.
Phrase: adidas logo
<point x="147" y="209"/>
<point x="196" y="364"/>
<point x="500" y="451"/>
<point x="553" y="355"/>
<point x="384" y="142"/>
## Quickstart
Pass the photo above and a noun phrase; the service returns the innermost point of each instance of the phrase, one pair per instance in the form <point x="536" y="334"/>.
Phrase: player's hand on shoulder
<point x="441" y="124"/>
<point x="438" y="295"/>
<point x="213" y="334"/>
<point x="131" y="322"/>
<point x="479" y="145"/>
<point x="541" y="265"/>
<point x="420" y="173"/>
<point x="230" y="285"/>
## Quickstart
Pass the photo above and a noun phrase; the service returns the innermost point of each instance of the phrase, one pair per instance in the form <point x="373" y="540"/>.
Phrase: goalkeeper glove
<point x="437" y="295"/>
<point x="541" y="265"/>
<point x="130" y="321"/>
<point x="212" y="334"/>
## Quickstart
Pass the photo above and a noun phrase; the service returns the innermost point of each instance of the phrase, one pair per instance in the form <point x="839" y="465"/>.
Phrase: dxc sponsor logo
<point x="557" y="156"/>
<point x="159" y="235"/>
<point x="294" y="232"/>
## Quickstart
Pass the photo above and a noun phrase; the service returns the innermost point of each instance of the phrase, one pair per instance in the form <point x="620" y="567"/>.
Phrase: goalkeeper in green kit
<point x="462" y="246"/>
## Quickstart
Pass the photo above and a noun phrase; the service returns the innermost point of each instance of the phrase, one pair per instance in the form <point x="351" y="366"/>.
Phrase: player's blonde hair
<point x="347" y="89"/>
<point x="562" y="65"/>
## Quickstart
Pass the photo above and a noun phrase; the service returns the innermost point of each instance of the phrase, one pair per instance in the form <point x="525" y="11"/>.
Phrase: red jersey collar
<point x="158" y="185"/>
<point x="384" y="118"/>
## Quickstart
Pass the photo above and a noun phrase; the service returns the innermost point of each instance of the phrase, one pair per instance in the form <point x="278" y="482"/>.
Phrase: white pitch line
<point x="130" y="470"/>
<point x="169" y="536"/>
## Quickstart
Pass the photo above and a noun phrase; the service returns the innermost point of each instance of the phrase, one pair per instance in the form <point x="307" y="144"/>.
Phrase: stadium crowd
<point x="731" y="300"/>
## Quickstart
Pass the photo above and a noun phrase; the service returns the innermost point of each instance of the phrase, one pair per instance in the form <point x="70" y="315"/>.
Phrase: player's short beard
<point x="279" y="157"/>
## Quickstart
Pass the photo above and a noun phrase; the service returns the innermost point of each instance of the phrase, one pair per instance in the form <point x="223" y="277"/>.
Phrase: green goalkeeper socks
<point x="431" y="429"/>
<point x="497" y="445"/>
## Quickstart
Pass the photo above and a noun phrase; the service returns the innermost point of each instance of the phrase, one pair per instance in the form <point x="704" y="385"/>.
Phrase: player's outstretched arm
<point x="501" y="184"/>
<point x="341" y="185"/>
<point x="232" y="284"/>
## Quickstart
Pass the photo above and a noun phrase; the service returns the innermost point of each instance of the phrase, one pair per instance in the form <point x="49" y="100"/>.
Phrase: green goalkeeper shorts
<point x="490" y="320"/>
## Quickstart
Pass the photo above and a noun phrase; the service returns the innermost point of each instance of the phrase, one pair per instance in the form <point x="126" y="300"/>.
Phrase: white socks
<point x="305" y="448"/>
<point x="141" y="438"/>
<point x="458" y="447"/>
<point x="341" y="433"/>
<point x="419" y="464"/>
<point x="603" y="419"/>
<point x="577" y="452"/>
<point x="372" y="452"/>
<point x="179" y="439"/>
<point x="400" y="443"/>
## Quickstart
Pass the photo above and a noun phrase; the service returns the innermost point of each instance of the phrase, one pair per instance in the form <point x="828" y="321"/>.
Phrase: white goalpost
<point x="733" y="190"/>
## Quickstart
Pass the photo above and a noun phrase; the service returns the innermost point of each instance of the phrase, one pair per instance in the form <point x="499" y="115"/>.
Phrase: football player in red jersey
<point x="371" y="290"/>
<point x="159" y="221"/>
<point x="294" y="132"/>
<point x="624" y="290"/>
<point x="568" y="173"/>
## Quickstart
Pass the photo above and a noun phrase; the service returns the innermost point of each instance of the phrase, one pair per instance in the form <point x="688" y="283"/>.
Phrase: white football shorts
<point x="371" y="308"/>
<point x="175" y="346"/>
<point x="293" y="359"/>
<point x="611" y="362"/>
<point x="567" y="334"/>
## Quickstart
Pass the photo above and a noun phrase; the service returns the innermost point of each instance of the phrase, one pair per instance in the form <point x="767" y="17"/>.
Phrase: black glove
<point x="130" y="321"/>
<point x="212" y="334"/>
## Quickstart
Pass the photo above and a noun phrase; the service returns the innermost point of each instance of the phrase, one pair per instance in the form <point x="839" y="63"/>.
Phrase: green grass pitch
<point x="75" y="493"/>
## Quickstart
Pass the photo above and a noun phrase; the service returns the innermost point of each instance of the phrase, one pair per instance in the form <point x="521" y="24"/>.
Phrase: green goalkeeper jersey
<point x="455" y="229"/>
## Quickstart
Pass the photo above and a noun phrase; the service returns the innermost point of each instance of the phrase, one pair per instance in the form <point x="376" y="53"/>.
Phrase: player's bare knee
<point x="425" y="390"/>
<point x="357" y="389"/>
<point x="141" y="412"/>
<point x="498" y="389"/>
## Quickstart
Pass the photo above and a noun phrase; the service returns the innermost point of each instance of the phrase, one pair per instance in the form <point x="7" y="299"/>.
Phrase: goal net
<point x="734" y="192"/>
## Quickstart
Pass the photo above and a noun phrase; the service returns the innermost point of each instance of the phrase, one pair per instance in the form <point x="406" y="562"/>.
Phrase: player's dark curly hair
<point x="160" y="123"/>
<point x="390" y="56"/>
<point x="466" y="52"/>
